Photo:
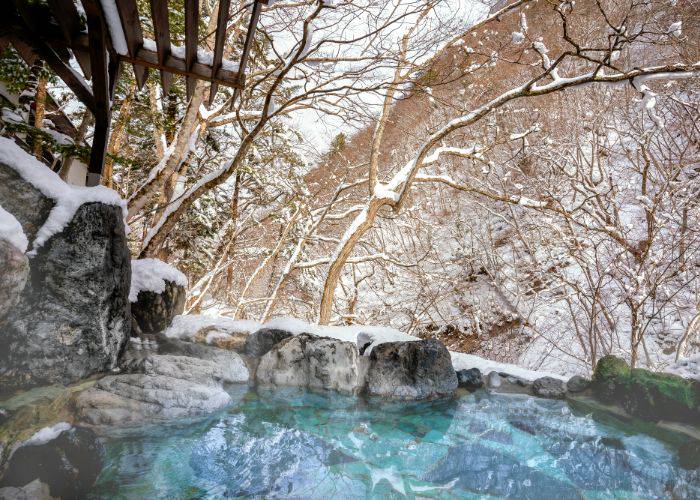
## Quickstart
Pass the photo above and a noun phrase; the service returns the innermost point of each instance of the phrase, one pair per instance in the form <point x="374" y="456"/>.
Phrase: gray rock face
<point x="36" y="490"/>
<point x="199" y="371"/>
<point x="577" y="383"/>
<point x="73" y="317"/>
<point x="15" y="270"/>
<point x="142" y="398"/>
<point x="224" y="358"/>
<point x="548" y="387"/>
<point x="69" y="464"/>
<point x="154" y="312"/>
<point x="261" y="341"/>
<point x="29" y="206"/>
<point x="470" y="379"/>
<point x="317" y="363"/>
<point x="411" y="370"/>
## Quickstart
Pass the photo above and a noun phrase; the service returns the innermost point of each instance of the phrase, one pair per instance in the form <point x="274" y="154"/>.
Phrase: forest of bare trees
<point x="520" y="179"/>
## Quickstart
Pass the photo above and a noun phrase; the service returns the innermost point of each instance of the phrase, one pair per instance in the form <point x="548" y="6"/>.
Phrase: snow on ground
<point x="687" y="367"/>
<point x="68" y="198"/>
<point x="150" y="275"/>
<point x="47" y="434"/>
<point x="187" y="326"/>
<point x="11" y="230"/>
<point x="463" y="361"/>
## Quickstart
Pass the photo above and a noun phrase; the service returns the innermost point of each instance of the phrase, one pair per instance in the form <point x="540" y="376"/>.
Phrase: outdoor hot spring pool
<point x="302" y="445"/>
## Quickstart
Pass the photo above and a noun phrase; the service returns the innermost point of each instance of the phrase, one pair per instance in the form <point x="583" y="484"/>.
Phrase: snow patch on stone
<point x="464" y="361"/>
<point x="150" y="275"/>
<point x="186" y="326"/>
<point x="68" y="198"/>
<point x="11" y="230"/>
<point x="47" y="434"/>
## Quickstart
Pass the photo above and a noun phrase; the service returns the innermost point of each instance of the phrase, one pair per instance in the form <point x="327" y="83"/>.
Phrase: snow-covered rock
<point x="411" y="370"/>
<point x="208" y="329"/>
<point x="11" y="230"/>
<point x="157" y="294"/>
<point x="50" y="206"/>
<point x="316" y="363"/>
<point x="72" y="318"/>
<point x="152" y="275"/>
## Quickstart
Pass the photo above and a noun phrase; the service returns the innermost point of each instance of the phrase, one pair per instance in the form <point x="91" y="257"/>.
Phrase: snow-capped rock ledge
<point x="186" y="327"/>
<point x="150" y="275"/>
<point x="67" y="198"/>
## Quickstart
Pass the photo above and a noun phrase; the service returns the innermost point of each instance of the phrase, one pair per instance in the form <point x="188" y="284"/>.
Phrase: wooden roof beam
<point x="219" y="42"/>
<point x="101" y="90"/>
<point x="161" y="28"/>
<point x="68" y="19"/>
<point x="173" y="64"/>
<point x="131" y="25"/>
<point x="191" y="41"/>
<point x="69" y="76"/>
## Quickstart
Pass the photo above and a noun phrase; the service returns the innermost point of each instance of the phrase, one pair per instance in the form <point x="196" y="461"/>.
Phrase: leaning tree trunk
<point x="362" y="223"/>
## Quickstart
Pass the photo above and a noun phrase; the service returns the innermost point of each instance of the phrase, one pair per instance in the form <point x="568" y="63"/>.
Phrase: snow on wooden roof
<point x="102" y="34"/>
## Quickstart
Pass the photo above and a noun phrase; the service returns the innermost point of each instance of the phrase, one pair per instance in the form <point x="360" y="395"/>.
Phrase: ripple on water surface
<point x="294" y="444"/>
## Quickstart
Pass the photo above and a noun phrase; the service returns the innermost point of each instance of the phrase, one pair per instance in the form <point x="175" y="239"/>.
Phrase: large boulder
<point x="157" y="295"/>
<point x="73" y="316"/>
<point x="417" y="369"/>
<point x="138" y="399"/>
<point x="549" y="387"/>
<point x="316" y="363"/>
<point x="261" y="341"/>
<point x="15" y="271"/>
<point x="470" y="379"/>
<point x="226" y="359"/>
<point x="230" y="370"/>
<point x="577" y="383"/>
<point x="68" y="463"/>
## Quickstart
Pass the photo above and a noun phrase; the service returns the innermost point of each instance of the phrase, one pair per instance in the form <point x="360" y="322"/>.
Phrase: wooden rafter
<point x="55" y="32"/>
<point x="131" y="25"/>
<point x="101" y="88"/>
<point x="191" y="41"/>
<point x="69" y="21"/>
<point x="219" y="42"/>
<point x="161" y="28"/>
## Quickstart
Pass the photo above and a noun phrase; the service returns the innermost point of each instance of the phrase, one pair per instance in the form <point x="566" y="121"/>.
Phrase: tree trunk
<point x="360" y="225"/>
<point x="40" y="109"/>
<point x="116" y="139"/>
<point x="85" y="123"/>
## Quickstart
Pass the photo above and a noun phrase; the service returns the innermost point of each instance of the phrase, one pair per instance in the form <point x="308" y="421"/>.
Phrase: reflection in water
<point x="294" y="444"/>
